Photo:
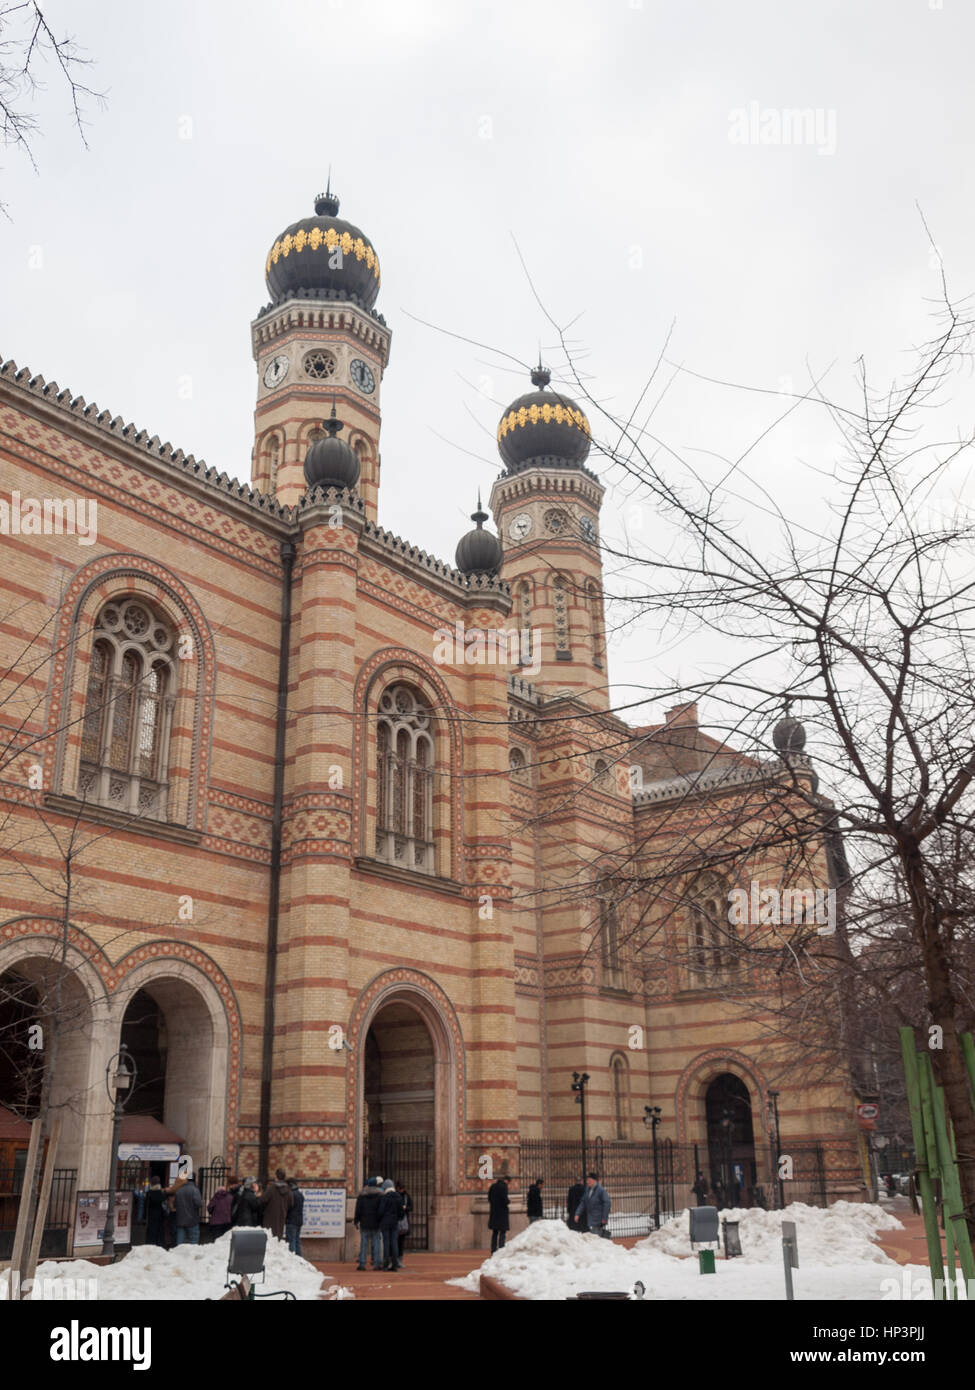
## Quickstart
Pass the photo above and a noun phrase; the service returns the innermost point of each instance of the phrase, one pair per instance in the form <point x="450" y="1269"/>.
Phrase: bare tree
<point x="27" y="42"/>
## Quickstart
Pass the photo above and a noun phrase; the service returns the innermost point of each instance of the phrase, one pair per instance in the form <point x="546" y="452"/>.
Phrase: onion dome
<point x="324" y="256"/>
<point x="789" y="736"/>
<point x="543" y="428"/>
<point x="479" y="552"/>
<point x="330" y="462"/>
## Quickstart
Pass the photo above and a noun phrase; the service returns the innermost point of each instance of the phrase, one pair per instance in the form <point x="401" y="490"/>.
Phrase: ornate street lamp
<point x="651" y="1118"/>
<point x="579" y="1086"/>
<point x="120" y="1076"/>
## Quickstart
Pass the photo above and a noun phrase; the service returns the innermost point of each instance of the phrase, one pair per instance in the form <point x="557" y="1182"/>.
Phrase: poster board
<point x="91" y="1212"/>
<point x="324" y="1213"/>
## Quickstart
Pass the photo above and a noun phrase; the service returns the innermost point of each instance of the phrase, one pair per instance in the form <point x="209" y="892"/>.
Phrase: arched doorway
<point x="399" y="1110"/>
<point x="170" y="1029"/>
<point x="731" y="1140"/>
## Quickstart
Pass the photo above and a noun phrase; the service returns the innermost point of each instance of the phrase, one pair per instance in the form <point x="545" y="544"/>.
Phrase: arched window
<point x="273" y="463"/>
<point x="609" y="932"/>
<point x="594" y="603"/>
<point x="712" y="954"/>
<point x="516" y="764"/>
<point x="560" y="605"/>
<point x="128" y="710"/>
<point x="600" y="774"/>
<point x="404" y="781"/>
<point x="621" y="1099"/>
<point x="523" y="615"/>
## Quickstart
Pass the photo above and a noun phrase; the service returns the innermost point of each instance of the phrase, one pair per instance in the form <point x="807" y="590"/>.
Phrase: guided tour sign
<point x="323" y="1217"/>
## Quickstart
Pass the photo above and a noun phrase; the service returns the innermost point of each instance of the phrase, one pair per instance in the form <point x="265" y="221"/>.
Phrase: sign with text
<point x="324" y="1213"/>
<point x="149" y="1153"/>
<point x="91" y="1213"/>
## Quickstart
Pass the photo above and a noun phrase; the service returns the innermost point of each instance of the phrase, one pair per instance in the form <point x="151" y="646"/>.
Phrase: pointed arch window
<point x="404" y="780"/>
<point x="128" y="710"/>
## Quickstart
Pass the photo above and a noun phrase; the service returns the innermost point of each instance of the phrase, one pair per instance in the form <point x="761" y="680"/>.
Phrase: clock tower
<point x="546" y="507"/>
<point x="319" y="343"/>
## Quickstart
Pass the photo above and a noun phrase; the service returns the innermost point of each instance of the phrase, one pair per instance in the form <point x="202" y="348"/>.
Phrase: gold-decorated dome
<point x="324" y="256"/>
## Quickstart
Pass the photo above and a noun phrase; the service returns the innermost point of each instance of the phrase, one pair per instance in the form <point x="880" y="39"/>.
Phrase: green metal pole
<point x="968" y="1052"/>
<point x="951" y="1188"/>
<point x="928" y="1209"/>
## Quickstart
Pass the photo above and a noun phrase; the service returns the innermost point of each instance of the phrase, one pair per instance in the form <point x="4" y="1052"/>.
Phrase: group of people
<point x="587" y="1208"/>
<point x="382" y="1218"/>
<point x="174" y="1214"/>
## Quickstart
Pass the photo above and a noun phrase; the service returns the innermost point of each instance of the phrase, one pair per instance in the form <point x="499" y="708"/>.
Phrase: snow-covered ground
<point x="189" y="1272"/>
<point x="838" y="1259"/>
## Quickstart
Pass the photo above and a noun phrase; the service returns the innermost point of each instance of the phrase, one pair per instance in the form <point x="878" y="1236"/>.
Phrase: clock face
<point x="588" y="528"/>
<point x="361" y="374"/>
<point x="520" y="527"/>
<point x="276" y="370"/>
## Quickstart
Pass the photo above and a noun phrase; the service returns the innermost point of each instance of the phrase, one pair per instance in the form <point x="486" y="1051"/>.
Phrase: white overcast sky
<point x="595" y="133"/>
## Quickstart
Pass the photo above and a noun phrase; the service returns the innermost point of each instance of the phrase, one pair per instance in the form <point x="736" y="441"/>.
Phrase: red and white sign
<point x="868" y="1111"/>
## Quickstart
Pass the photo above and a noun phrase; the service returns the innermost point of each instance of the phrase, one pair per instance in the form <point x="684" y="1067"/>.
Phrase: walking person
<point x="218" y="1208"/>
<point x="534" y="1203"/>
<point x="700" y="1189"/>
<point x="576" y="1193"/>
<point x="296" y="1218"/>
<point x="595" y="1207"/>
<point x="277" y="1200"/>
<point x="246" y="1206"/>
<point x="155" y="1213"/>
<point x="498" y="1218"/>
<point x="365" y="1219"/>
<point x="403" y="1229"/>
<point x="390" y="1211"/>
<point x="187" y="1210"/>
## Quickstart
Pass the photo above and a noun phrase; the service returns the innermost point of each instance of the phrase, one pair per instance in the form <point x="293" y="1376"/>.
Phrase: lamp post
<point x="773" y="1105"/>
<point x="651" y="1118"/>
<point x="579" y="1086"/>
<point x="120" y="1075"/>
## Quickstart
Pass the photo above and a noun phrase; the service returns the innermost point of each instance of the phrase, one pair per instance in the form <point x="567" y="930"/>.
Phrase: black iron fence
<point x="645" y="1190"/>
<point x="406" y="1158"/>
<point x="60" y="1212"/>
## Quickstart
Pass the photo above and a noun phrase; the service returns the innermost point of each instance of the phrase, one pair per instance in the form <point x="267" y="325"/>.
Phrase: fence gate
<point x="56" y="1238"/>
<point x="406" y="1158"/>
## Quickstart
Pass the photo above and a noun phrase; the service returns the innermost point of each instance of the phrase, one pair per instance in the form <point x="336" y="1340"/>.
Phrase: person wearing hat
<point x="390" y="1211"/>
<point x="365" y="1219"/>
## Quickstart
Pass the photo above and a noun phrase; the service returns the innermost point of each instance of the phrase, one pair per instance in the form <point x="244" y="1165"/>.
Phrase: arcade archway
<point x="399" y="1108"/>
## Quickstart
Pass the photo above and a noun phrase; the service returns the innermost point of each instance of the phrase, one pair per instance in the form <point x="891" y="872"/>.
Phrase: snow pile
<point x="837" y="1235"/>
<point x="837" y="1260"/>
<point x="188" y="1272"/>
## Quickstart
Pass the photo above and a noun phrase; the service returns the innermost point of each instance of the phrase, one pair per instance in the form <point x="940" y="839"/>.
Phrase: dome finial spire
<point x="327" y="203"/>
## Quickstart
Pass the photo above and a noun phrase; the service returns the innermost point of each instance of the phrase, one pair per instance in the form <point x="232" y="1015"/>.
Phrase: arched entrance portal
<point x="168" y="1028"/>
<point x="731" y="1140"/>
<point x="400" y="1109"/>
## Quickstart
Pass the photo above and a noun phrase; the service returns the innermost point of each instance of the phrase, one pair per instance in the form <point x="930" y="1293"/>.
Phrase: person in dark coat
<point x="155" y="1211"/>
<point x="576" y="1193"/>
<point x="219" y="1207"/>
<point x="296" y="1217"/>
<point x="246" y="1207"/>
<point x="390" y="1211"/>
<point x="595" y="1206"/>
<point x="277" y="1199"/>
<point x="498" y="1222"/>
<point x="404" y="1221"/>
<point x="188" y="1210"/>
<point x="365" y="1219"/>
<point x="700" y="1189"/>
<point x="534" y="1203"/>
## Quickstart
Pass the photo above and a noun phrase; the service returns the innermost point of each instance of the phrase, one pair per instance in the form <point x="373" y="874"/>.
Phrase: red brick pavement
<point x="422" y="1277"/>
